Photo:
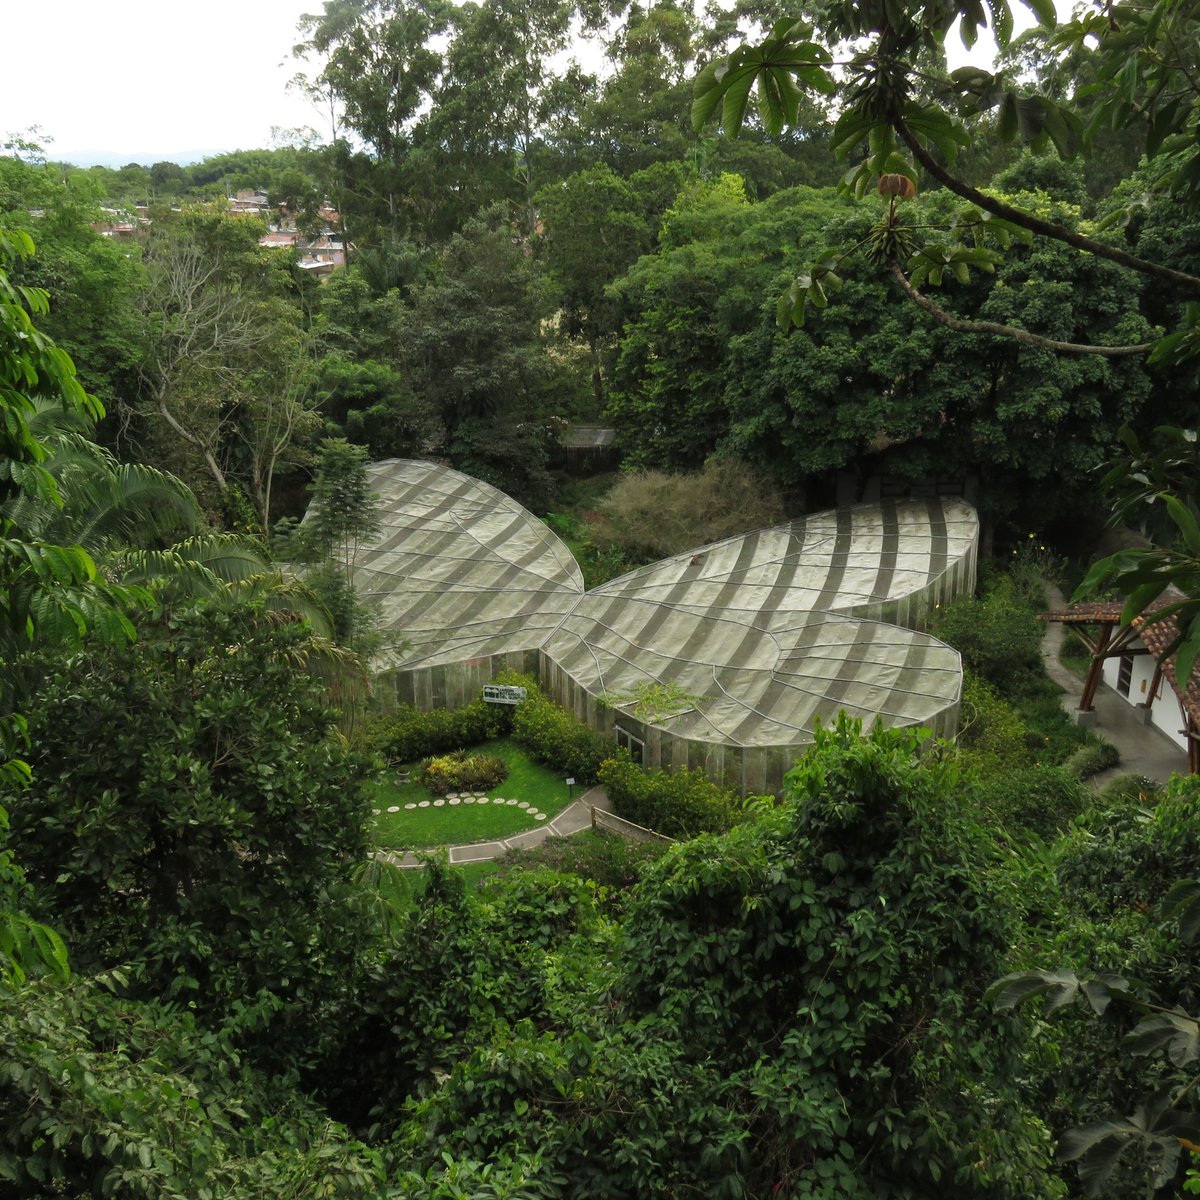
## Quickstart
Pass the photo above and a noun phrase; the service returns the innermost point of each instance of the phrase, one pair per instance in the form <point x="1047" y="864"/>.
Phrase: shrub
<point x="679" y="804"/>
<point x="1128" y="790"/>
<point x="1052" y="736"/>
<point x="990" y="730"/>
<point x="997" y="635"/>
<point x="1042" y="800"/>
<point x="555" y="737"/>
<point x="408" y="734"/>
<point x="1091" y="759"/>
<point x="652" y="514"/>
<point x="462" y="772"/>
<point x="612" y="862"/>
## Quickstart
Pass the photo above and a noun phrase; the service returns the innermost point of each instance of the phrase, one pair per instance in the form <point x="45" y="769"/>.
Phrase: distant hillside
<point x="114" y="158"/>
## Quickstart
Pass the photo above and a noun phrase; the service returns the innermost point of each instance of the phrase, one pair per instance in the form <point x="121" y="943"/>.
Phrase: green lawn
<point x="456" y="824"/>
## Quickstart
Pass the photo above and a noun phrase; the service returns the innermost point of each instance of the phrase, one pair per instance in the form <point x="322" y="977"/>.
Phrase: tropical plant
<point x="50" y="594"/>
<point x="193" y="816"/>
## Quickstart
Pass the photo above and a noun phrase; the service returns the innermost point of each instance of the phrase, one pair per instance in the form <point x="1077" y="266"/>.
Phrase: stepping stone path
<point x="454" y="798"/>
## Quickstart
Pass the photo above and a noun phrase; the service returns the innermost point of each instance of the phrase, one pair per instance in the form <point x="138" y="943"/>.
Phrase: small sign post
<point x="503" y="693"/>
<point x="570" y="786"/>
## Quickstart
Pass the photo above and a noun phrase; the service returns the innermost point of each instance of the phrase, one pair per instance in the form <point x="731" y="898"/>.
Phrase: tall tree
<point x="594" y="232"/>
<point x="216" y="311"/>
<point x="382" y="63"/>
<point x="639" y="116"/>
<point x="50" y="595"/>
<point x="223" y="880"/>
<point x="502" y="88"/>
<point x="475" y="353"/>
<point x="907" y="129"/>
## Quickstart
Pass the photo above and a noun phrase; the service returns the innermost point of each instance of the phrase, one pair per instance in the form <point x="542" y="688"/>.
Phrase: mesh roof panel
<point x="758" y="636"/>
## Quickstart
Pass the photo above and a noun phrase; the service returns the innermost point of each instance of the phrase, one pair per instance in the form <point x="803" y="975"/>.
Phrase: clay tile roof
<point x="1157" y="637"/>
<point x="1087" y="613"/>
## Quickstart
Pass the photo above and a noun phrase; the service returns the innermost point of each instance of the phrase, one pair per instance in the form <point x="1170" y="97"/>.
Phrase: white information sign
<point x="503" y="693"/>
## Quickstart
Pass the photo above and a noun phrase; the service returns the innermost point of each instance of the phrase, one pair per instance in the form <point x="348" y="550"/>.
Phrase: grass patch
<point x="456" y="825"/>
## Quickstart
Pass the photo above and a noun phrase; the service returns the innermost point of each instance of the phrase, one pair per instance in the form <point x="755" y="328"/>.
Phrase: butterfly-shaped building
<point x="724" y="658"/>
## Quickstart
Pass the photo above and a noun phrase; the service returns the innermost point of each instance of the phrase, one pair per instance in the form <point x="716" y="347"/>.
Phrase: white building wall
<point x="1165" y="713"/>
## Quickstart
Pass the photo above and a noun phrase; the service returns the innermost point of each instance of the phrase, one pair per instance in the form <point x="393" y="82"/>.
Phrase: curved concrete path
<point x="576" y="817"/>
<point x="1144" y="749"/>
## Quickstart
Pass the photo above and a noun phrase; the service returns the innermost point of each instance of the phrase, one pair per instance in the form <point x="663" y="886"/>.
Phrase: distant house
<point x="120" y="224"/>
<point x="321" y="255"/>
<point x="279" y="239"/>
<point x="250" y="202"/>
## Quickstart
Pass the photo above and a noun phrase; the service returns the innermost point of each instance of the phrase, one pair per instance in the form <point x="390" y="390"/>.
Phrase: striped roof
<point x="758" y="637"/>
<point x="459" y="569"/>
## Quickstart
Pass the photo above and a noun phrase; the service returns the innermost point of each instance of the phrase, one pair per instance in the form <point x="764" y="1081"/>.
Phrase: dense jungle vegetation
<point x="209" y="988"/>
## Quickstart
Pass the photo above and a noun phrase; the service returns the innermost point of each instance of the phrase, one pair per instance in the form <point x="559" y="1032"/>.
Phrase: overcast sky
<point x="153" y="81"/>
<point x="172" y="80"/>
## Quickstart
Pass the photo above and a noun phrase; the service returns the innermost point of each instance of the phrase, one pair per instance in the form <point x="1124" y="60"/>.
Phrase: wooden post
<point x="1155" y="680"/>
<point x="1087" y="700"/>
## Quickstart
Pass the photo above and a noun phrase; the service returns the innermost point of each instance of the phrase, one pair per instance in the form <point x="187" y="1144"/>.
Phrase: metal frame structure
<point x="724" y="658"/>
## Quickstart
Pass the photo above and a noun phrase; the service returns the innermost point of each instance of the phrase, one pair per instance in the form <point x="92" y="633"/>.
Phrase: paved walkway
<point x="1145" y="749"/>
<point x="576" y="817"/>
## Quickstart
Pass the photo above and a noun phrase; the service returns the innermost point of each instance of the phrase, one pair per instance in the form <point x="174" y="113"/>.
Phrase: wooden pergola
<point x="1098" y="625"/>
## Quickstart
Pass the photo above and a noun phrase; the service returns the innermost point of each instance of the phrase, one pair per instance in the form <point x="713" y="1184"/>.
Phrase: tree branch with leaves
<point x="907" y="120"/>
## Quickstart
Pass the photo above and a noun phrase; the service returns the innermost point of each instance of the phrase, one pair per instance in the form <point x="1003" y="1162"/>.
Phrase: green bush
<point x="1093" y="758"/>
<point x="408" y="734"/>
<point x="1052" y="736"/>
<point x="1131" y="789"/>
<point x="679" y="804"/>
<point x="613" y="863"/>
<point x="989" y="729"/>
<point x="553" y="736"/>
<point x="549" y="733"/>
<point x="1042" y="800"/>
<point x="997" y="635"/>
<point x="462" y="772"/>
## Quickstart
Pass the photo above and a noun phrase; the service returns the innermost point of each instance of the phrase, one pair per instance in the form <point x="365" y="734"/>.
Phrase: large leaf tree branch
<point x="1181" y="279"/>
<point x="959" y="325"/>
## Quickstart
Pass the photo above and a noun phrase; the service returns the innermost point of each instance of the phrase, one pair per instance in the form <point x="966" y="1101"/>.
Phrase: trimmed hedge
<point x="409" y="734"/>
<point x="680" y="804"/>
